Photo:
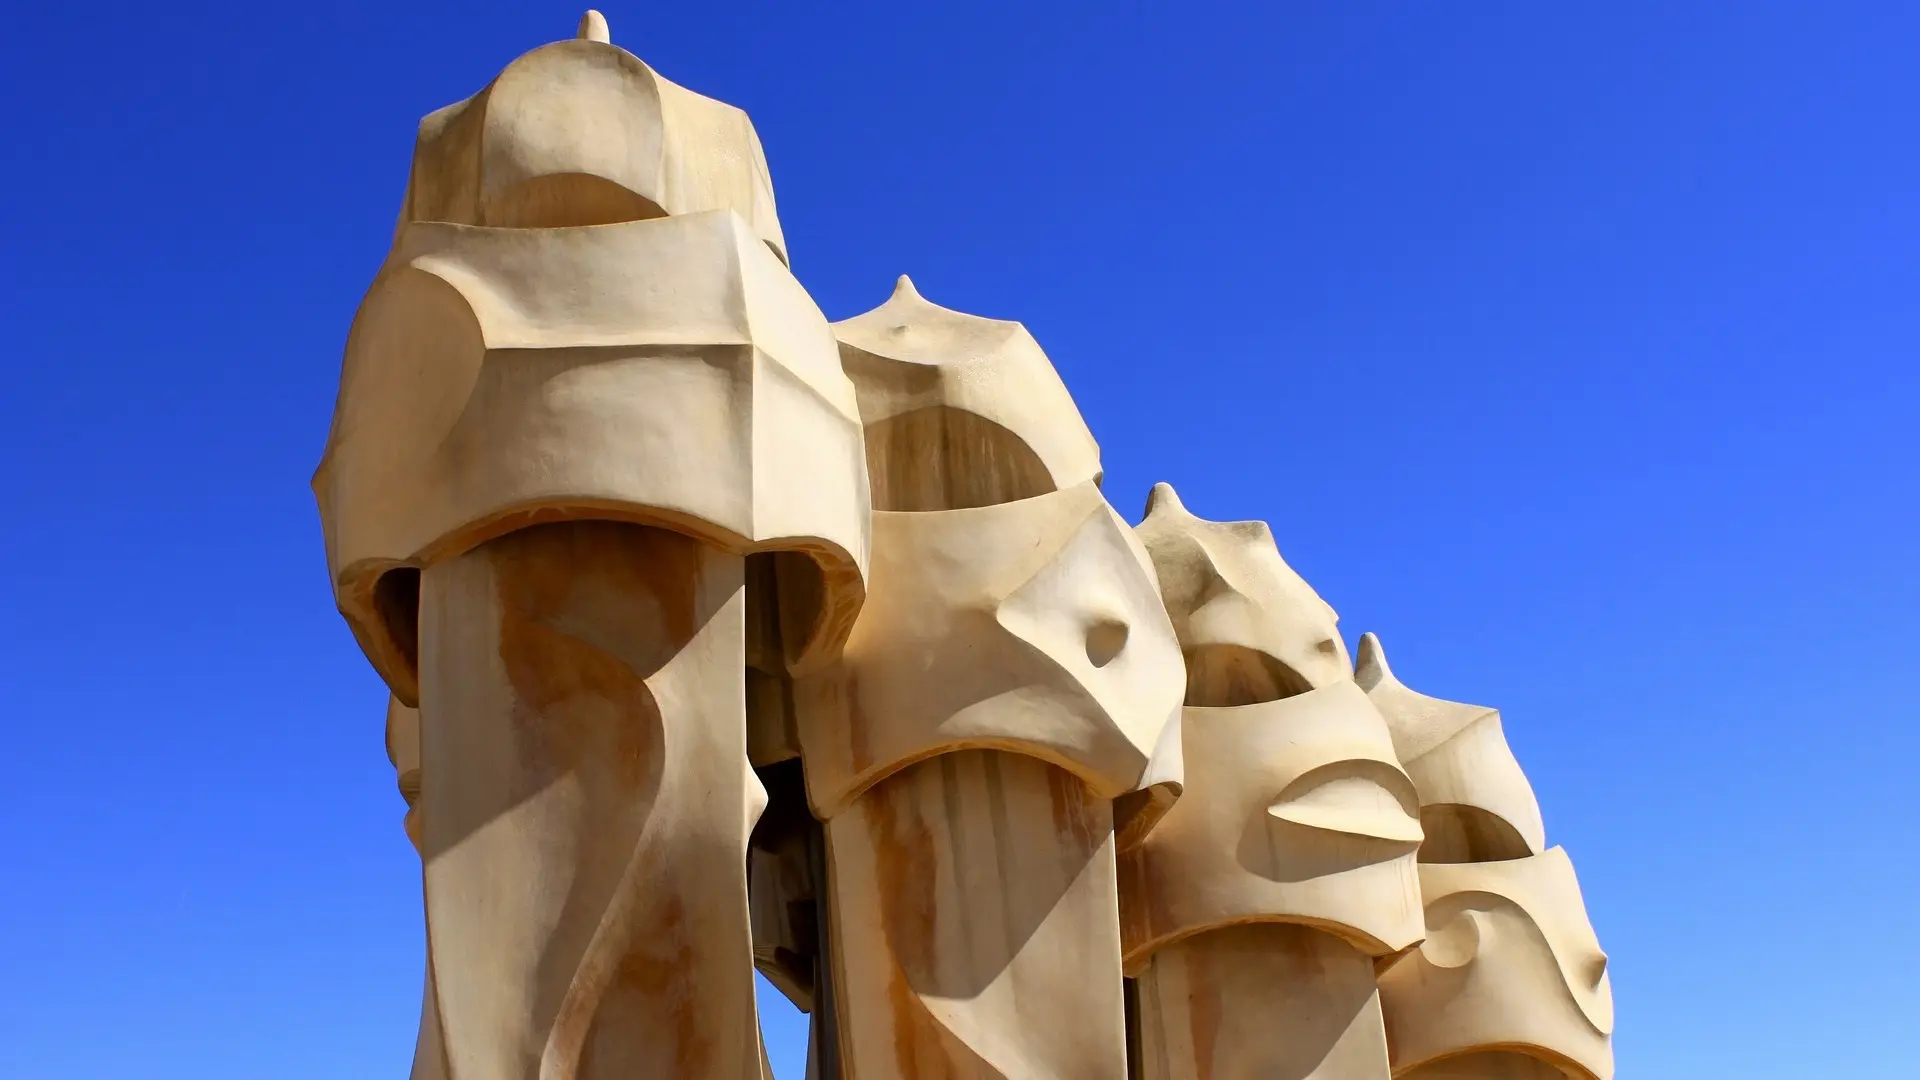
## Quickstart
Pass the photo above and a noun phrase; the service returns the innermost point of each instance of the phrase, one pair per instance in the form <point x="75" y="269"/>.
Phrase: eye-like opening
<point x="563" y="200"/>
<point x="942" y="458"/>
<point x="1105" y="638"/>
<point x="1457" y="833"/>
<point x="1223" y="676"/>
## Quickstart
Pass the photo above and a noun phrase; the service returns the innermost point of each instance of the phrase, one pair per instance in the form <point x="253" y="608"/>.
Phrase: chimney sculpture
<point x="1254" y="910"/>
<point x="581" y="390"/>
<point x="1510" y="981"/>
<point x="1009" y="677"/>
<point x="722" y="638"/>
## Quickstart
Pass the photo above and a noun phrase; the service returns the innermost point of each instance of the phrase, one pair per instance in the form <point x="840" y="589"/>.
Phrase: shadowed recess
<point x="1223" y="676"/>
<point x="396" y="602"/>
<point x="1468" y="834"/>
<point x="560" y="200"/>
<point x="941" y="458"/>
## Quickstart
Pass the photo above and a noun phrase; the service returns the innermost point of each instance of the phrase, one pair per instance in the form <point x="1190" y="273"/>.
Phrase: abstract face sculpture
<point x="1511" y="981"/>
<point x="1295" y="808"/>
<point x="719" y="637"/>
<point x="1510" y="963"/>
<point x="584" y="316"/>
<point x="1475" y="803"/>
<point x="1030" y="626"/>
<point x="1295" y="817"/>
<point x="581" y="391"/>
<point x="1011" y="673"/>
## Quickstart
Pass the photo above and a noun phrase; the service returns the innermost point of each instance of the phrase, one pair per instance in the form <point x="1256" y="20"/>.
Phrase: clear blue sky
<point x="1571" y="347"/>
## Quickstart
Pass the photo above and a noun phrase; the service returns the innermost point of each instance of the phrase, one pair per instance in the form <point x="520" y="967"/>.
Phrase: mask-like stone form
<point x="1510" y="966"/>
<point x="1029" y="626"/>
<point x="507" y="368"/>
<point x="960" y="411"/>
<point x="1295" y="809"/>
<point x="1251" y="629"/>
<point x="1510" y="981"/>
<point x="1011" y="673"/>
<point x="1018" y="611"/>
<point x="1475" y="803"/>
<point x="582" y="390"/>
<point x="1252" y="910"/>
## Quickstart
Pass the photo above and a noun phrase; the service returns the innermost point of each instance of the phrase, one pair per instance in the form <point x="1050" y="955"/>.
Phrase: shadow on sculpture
<point x="722" y="638"/>
<point x="1510" y="980"/>
<point x="1254" y="910"/>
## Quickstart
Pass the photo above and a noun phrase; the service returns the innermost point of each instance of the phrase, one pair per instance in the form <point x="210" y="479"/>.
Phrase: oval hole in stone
<point x="1105" y="639"/>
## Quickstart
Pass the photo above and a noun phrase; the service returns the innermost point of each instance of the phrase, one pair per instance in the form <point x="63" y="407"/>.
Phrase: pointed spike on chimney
<point x="593" y="27"/>
<point x="1370" y="667"/>
<point x="1163" y="496"/>
<point x="904" y="287"/>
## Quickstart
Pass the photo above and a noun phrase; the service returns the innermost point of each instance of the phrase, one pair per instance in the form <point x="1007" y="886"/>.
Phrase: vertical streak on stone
<point x="583" y="722"/>
<point x="1278" y="1001"/>
<point x="975" y="913"/>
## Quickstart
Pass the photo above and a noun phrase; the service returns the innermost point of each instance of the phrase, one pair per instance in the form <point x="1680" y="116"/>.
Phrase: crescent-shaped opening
<point x="1223" y="676"/>
<point x="562" y="200"/>
<point x="942" y="458"/>
<point x="1457" y="833"/>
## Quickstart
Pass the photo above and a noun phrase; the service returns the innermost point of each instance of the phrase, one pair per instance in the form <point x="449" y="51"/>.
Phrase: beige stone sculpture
<point x="721" y="638"/>
<point x="1510" y="981"/>
<point x="1010" y="676"/>
<point x="583" y="388"/>
<point x="1254" y="910"/>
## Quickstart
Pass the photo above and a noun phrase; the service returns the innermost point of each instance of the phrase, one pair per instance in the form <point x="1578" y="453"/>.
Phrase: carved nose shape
<point x="1105" y="638"/>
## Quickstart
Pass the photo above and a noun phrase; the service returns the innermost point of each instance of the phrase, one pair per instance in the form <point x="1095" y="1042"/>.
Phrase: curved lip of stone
<point x="1134" y="959"/>
<point x="1572" y="946"/>
<point x="1353" y="804"/>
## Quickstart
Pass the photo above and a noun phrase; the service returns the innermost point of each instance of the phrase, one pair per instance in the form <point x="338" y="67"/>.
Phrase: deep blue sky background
<point x="1571" y="347"/>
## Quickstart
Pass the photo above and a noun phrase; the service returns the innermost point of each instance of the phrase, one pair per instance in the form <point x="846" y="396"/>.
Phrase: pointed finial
<point x="593" y="27"/>
<point x="904" y="288"/>
<point x="1164" y="497"/>
<point x="1370" y="667"/>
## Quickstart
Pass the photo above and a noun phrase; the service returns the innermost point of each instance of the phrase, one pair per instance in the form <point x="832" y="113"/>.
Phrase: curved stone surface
<point x="1510" y="963"/>
<point x="1475" y="802"/>
<point x="1250" y="627"/>
<point x="583" y="132"/>
<point x="1031" y="627"/>
<point x="666" y="372"/>
<point x="960" y="410"/>
<point x="1294" y="811"/>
